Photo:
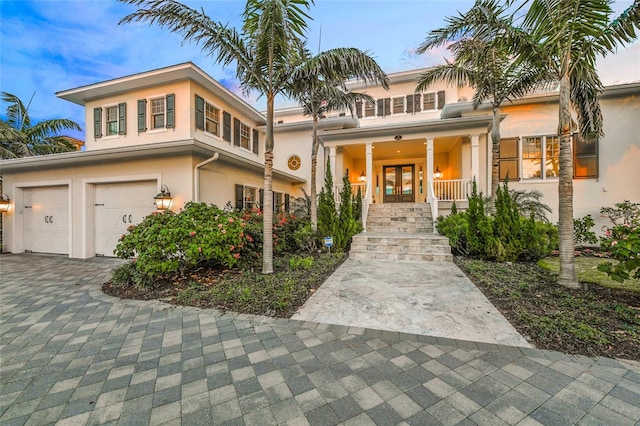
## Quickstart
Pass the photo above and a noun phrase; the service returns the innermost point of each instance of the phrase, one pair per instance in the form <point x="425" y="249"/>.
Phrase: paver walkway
<point x="432" y="298"/>
<point x="71" y="355"/>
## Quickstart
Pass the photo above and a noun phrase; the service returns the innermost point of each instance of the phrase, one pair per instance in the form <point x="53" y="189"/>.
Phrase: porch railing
<point x="433" y="202"/>
<point x="337" y="189"/>
<point x="365" y="207"/>
<point x="451" y="190"/>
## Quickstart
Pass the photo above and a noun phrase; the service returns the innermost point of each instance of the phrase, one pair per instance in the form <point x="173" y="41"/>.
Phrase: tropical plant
<point x="318" y="84"/>
<point x="327" y="212"/>
<point x="20" y="138"/>
<point x="482" y="60"/>
<point x="568" y="36"/>
<point x="264" y="51"/>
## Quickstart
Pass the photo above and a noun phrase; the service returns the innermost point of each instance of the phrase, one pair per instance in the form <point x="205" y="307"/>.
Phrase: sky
<point x="47" y="46"/>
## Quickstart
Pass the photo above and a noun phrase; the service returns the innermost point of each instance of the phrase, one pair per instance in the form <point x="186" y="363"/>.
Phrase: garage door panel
<point x="46" y="219"/>
<point x="118" y="206"/>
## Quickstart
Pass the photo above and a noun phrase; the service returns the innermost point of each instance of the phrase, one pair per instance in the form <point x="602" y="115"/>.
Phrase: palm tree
<point x="264" y="51"/>
<point x="318" y="84"/>
<point x="19" y="138"/>
<point x="570" y="35"/>
<point x="480" y="45"/>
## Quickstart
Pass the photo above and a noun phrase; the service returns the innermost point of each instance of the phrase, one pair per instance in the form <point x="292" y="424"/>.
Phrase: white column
<point x="475" y="158"/>
<point x="332" y="164"/>
<point x="369" y="168"/>
<point x="429" y="161"/>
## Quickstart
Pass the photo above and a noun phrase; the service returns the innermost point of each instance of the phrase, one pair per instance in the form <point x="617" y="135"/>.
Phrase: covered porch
<point x="431" y="162"/>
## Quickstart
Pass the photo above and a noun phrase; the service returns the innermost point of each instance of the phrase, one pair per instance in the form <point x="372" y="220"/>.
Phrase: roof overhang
<point x="156" y="150"/>
<point x="418" y="128"/>
<point x="175" y="73"/>
<point x="333" y="123"/>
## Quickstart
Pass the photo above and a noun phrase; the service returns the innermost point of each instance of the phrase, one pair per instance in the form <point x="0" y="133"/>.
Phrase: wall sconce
<point x="437" y="174"/>
<point x="362" y="177"/>
<point x="163" y="199"/>
<point x="5" y="203"/>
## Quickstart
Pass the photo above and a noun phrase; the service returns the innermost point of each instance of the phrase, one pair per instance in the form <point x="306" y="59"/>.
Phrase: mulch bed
<point x="594" y="322"/>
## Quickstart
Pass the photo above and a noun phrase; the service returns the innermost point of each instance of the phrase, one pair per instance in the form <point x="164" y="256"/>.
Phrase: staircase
<point x="400" y="232"/>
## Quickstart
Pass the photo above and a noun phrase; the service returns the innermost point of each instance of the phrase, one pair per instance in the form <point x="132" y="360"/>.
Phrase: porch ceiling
<point x="402" y="148"/>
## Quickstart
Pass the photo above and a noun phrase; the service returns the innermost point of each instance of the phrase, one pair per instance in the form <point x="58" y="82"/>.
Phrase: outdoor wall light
<point x="5" y="203"/>
<point x="362" y="177"/>
<point x="163" y="199"/>
<point x="437" y="174"/>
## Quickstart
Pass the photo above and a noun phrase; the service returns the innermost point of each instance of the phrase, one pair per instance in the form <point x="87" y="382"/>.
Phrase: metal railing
<point x="451" y="190"/>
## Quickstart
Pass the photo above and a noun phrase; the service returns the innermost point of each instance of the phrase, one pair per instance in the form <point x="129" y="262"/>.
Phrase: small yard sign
<point x="328" y="241"/>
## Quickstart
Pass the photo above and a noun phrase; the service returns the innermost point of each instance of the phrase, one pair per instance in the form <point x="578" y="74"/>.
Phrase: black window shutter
<point x="171" y="115"/>
<point x="409" y="104"/>
<point x="122" y="119"/>
<point x="255" y="141"/>
<point x="226" y="126"/>
<point x="286" y="203"/>
<point x="359" y="109"/>
<point x="97" y="122"/>
<point x="236" y="132"/>
<point x="199" y="113"/>
<point x="239" y="197"/>
<point x="262" y="199"/>
<point x="416" y="103"/>
<point x="440" y="99"/>
<point x="142" y="115"/>
<point x="380" y="107"/>
<point x="387" y="106"/>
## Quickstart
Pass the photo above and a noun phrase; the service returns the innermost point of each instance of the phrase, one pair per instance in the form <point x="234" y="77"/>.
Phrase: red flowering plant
<point x="199" y="234"/>
<point x="622" y="240"/>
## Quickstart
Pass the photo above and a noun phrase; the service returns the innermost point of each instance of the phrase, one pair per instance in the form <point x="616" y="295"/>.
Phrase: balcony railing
<point x="452" y="190"/>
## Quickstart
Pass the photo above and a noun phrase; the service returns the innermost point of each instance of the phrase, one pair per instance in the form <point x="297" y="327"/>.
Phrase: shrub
<point x="582" y="233"/>
<point x="622" y="241"/>
<point x="300" y="262"/>
<point x="327" y="213"/>
<point x="128" y="275"/>
<point x="504" y="236"/>
<point x="167" y="242"/>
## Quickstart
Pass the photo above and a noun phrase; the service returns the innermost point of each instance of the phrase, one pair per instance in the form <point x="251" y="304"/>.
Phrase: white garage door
<point x="118" y="206"/>
<point x="46" y="219"/>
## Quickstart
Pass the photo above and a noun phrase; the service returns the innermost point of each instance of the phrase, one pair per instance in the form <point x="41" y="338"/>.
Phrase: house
<point x="178" y="129"/>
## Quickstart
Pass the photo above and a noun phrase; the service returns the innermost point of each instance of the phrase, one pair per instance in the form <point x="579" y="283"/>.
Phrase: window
<point x="538" y="159"/>
<point x="245" y="133"/>
<point x="212" y="119"/>
<point x="115" y="118"/>
<point x="508" y="165"/>
<point x="398" y="105"/>
<point x="248" y="197"/>
<point x="585" y="158"/>
<point x="428" y="101"/>
<point x="157" y="113"/>
<point x="369" y="109"/>
<point x="112" y="120"/>
<point x="384" y="107"/>
<point x="413" y="103"/>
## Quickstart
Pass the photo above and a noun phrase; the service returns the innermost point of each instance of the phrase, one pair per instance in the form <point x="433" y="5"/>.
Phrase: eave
<point x="138" y="152"/>
<point x="181" y="72"/>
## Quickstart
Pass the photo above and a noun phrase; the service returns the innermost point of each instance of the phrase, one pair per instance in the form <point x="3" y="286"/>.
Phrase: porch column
<point x="332" y="162"/>
<point x="475" y="157"/>
<point x="369" y="169"/>
<point x="429" y="161"/>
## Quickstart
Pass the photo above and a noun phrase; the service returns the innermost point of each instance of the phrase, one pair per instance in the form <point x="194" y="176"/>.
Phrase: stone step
<point x="419" y="239"/>
<point x="406" y="229"/>
<point x="401" y="256"/>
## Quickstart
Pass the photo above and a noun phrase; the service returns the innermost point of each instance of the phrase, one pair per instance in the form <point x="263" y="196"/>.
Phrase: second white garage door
<point x="118" y="206"/>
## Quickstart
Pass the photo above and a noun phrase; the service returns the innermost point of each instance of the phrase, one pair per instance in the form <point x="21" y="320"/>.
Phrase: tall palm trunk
<point x="495" y="153"/>
<point x="565" y="189"/>
<point x="267" y="207"/>
<point x="314" y="167"/>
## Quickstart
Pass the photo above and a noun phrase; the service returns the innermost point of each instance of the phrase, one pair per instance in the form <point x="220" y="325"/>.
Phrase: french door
<point x="399" y="185"/>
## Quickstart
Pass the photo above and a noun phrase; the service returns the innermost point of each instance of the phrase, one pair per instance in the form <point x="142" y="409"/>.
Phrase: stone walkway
<point x="430" y="298"/>
<point x="71" y="355"/>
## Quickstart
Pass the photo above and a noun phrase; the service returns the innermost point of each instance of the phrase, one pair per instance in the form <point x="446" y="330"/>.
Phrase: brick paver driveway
<point x="71" y="355"/>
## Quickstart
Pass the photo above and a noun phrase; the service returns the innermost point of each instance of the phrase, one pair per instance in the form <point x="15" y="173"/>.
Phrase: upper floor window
<point x="114" y="119"/>
<point x="161" y="113"/>
<point x="369" y="109"/>
<point x="157" y="113"/>
<point x="212" y="119"/>
<point x="428" y="101"/>
<point x="398" y="105"/>
<point x="242" y="136"/>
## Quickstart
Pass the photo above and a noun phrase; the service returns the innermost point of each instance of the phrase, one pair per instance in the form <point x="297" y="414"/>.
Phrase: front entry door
<point x="398" y="184"/>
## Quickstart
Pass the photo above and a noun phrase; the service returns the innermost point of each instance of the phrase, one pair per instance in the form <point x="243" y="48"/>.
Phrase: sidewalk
<point x="72" y="355"/>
